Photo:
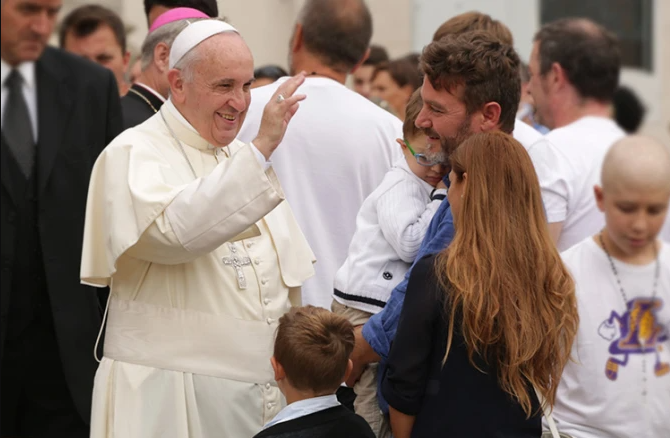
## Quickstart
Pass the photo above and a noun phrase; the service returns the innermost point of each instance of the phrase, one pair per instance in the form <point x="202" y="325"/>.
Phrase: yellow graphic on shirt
<point x="639" y="333"/>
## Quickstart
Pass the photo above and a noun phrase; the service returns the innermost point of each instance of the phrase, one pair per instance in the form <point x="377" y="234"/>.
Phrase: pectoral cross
<point x="237" y="262"/>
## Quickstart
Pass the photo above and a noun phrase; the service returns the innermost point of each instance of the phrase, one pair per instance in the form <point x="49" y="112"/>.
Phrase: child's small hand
<point x="441" y="185"/>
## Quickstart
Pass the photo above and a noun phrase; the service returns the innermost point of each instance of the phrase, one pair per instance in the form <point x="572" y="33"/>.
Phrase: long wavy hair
<point x="503" y="277"/>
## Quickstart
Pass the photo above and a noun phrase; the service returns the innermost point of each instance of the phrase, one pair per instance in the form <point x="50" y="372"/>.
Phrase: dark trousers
<point x="35" y="399"/>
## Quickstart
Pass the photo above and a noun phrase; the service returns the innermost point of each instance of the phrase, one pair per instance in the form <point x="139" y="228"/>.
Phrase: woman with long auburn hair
<point x="490" y="319"/>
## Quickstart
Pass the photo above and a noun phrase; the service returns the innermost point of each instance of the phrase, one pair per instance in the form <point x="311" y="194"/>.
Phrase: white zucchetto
<point x="194" y="34"/>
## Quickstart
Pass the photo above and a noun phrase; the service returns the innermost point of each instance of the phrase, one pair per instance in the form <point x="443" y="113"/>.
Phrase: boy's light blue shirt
<point x="304" y="407"/>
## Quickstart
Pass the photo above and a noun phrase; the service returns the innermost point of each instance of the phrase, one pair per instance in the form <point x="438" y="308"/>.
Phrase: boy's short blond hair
<point x="313" y="346"/>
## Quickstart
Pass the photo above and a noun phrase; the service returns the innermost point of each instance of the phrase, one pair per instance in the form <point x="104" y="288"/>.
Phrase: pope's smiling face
<point x="215" y="96"/>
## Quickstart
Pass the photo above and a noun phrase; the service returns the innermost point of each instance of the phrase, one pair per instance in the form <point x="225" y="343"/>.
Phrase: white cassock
<point x="200" y="271"/>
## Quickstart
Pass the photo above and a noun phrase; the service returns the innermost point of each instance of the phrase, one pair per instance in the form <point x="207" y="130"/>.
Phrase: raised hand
<point x="277" y="115"/>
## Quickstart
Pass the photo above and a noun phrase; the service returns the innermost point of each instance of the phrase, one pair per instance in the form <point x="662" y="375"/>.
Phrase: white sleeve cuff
<point x="438" y="195"/>
<point x="260" y="157"/>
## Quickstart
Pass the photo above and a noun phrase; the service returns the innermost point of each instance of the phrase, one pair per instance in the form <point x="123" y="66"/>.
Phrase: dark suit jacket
<point x="135" y="109"/>
<point x="78" y="115"/>
<point x="336" y="422"/>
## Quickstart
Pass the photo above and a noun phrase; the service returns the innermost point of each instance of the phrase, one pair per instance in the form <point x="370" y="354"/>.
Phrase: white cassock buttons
<point x="264" y="281"/>
<point x="267" y="301"/>
<point x="257" y="262"/>
<point x="268" y="386"/>
<point x="250" y="244"/>
<point x="270" y="321"/>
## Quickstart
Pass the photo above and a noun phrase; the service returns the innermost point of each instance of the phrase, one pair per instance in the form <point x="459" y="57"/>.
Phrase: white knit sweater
<point x="390" y="227"/>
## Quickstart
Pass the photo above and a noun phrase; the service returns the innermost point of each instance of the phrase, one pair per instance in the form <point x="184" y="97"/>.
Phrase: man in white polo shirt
<point x="574" y="68"/>
<point x="339" y="146"/>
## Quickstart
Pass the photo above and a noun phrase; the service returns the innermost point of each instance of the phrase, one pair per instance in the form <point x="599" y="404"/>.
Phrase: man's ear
<point x="556" y="77"/>
<point x="490" y="114"/>
<point x="296" y="41"/>
<point x="162" y="56"/>
<point x="280" y="374"/>
<point x="176" y="85"/>
<point x="350" y="368"/>
<point x="600" y="197"/>
<point x="362" y="60"/>
<point x="126" y="60"/>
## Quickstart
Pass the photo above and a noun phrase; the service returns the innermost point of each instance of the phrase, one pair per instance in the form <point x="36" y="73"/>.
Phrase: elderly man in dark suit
<point x="58" y="113"/>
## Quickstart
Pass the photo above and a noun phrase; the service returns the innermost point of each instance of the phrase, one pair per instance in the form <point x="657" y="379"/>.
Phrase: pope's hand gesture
<point x="277" y="115"/>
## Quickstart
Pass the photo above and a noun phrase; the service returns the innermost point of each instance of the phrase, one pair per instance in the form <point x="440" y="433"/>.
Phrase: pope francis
<point x="188" y="228"/>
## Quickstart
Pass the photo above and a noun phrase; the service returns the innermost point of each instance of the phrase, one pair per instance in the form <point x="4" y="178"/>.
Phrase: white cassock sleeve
<point x="142" y="202"/>
<point x="218" y="207"/>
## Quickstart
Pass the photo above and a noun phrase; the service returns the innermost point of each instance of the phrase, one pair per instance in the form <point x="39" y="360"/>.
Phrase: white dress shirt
<point x="304" y="407"/>
<point x="27" y="71"/>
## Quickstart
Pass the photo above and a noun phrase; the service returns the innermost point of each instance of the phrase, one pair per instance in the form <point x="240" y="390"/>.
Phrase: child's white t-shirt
<point x="568" y="161"/>
<point x="665" y="231"/>
<point x="601" y="392"/>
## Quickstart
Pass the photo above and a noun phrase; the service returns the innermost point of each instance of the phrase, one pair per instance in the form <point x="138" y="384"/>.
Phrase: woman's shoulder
<point x="425" y="266"/>
<point x="424" y="276"/>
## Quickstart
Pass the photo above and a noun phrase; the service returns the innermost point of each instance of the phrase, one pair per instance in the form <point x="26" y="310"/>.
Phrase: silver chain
<point x="657" y="273"/>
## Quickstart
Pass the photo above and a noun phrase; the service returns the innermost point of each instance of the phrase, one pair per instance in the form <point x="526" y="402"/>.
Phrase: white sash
<point x="190" y="341"/>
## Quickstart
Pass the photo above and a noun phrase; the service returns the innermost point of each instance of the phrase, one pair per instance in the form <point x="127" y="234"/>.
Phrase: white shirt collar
<point x="150" y="90"/>
<point x="175" y="112"/>
<point x="304" y="407"/>
<point x="26" y="69"/>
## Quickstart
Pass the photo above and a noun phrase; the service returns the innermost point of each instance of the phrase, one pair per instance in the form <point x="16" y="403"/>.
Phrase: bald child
<point x="618" y="383"/>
